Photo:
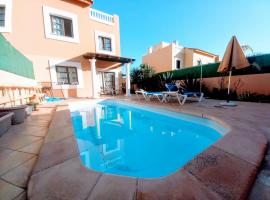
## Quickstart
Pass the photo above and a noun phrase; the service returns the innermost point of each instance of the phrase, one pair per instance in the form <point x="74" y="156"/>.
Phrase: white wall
<point x="204" y="59"/>
<point x="10" y="79"/>
<point x="159" y="46"/>
<point x="178" y="54"/>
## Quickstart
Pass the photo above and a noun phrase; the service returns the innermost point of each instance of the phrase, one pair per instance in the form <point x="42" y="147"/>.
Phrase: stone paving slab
<point x="220" y="172"/>
<point x="223" y="173"/>
<point x="253" y="149"/>
<point x="55" y="152"/>
<point x="12" y="160"/>
<point x="32" y="148"/>
<point x="110" y="187"/>
<point x="45" y="116"/>
<point x="22" y="196"/>
<point x="42" y="113"/>
<point x="61" y="126"/>
<point x="4" y="153"/>
<point x="61" y="118"/>
<point x="38" y="131"/>
<point x="18" y="151"/>
<point x="68" y="180"/>
<point x="9" y="191"/>
<point x="63" y="132"/>
<point x="19" y="176"/>
<point x="16" y="141"/>
<point x="250" y="132"/>
<point x="180" y="185"/>
<point x="43" y="123"/>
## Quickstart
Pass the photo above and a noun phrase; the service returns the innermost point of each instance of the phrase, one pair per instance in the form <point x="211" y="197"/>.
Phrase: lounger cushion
<point x="190" y="94"/>
<point x="154" y="93"/>
<point x="171" y="87"/>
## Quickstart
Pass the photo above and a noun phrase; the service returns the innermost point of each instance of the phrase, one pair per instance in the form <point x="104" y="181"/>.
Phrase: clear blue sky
<point x="205" y="24"/>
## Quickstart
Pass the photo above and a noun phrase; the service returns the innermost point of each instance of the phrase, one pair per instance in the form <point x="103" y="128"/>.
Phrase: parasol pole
<point x="201" y="77"/>
<point x="229" y="85"/>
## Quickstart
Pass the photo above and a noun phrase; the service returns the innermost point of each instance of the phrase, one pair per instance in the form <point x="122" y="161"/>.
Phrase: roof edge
<point x="202" y="51"/>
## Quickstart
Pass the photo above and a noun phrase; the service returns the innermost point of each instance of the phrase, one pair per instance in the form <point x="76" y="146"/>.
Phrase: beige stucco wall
<point x="258" y="83"/>
<point x="163" y="56"/>
<point x="188" y="57"/>
<point x="28" y="36"/>
<point x="161" y="60"/>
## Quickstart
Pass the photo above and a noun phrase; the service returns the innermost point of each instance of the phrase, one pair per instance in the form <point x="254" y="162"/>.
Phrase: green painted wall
<point x="259" y="64"/>
<point x="11" y="60"/>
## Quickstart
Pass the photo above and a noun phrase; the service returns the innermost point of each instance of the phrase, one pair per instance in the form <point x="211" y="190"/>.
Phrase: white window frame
<point x="8" y="14"/>
<point x="107" y="35"/>
<point x="53" y="63"/>
<point x="47" y="12"/>
<point x="104" y="148"/>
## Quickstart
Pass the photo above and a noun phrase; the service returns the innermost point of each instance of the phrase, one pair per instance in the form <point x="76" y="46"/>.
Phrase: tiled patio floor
<point x="226" y="170"/>
<point x="19" y="148"/>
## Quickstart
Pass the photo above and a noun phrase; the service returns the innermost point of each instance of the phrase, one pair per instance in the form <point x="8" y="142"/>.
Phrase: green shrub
<point x="189" y="84"/>
<point x="254" y="97"/>
<point x="258" y="64"/>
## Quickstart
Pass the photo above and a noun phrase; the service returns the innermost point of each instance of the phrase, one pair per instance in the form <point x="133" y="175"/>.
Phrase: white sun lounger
<point x="162" y="96"/>
<point x="150" y="95"/>
<point x="197" y="95"/>
<point x="180" y="97"/>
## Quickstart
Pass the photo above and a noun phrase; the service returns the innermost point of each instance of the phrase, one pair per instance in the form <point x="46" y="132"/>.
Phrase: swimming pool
<point x="53" y="99"/>
<point x="121" y="139"/>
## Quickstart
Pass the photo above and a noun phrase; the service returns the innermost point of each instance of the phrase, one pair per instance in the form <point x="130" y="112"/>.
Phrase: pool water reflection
<point x="116" y="138"/>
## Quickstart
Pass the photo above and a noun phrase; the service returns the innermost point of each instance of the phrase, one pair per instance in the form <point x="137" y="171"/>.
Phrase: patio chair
<point x="110" y="90"/>
<point x="176" y="87"/>
<point x="180" y="97"/>
<point x="150" y="95"/>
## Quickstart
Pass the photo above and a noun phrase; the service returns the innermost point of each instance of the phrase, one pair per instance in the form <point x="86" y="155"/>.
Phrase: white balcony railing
<point x="101" y="17"/>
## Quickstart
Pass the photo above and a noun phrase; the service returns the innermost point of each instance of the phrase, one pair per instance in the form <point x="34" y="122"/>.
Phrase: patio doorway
<point x="107" y="83"/>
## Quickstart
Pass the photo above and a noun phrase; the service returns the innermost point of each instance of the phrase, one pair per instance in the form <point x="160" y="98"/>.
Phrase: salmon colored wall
<point x="28" y="36"/>
<point x="163" y="57"/>
<point x="188" y="57"/>
<point x="161" y="60"/>
<point x="258" y="83"/>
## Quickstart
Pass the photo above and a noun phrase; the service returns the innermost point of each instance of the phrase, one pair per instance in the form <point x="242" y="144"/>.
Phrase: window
<point x="2" y="16"/>
<point x="5" y="15"/>
<point x="61" y="26"/>
<point x="178" y="64"/>
<point x="67" y="75"/>
<point x="105" y="43"/>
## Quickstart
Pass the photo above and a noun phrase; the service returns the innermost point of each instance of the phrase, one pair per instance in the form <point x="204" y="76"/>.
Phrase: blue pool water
<point x="128" y="140"/>
<point x="53" y="99"/>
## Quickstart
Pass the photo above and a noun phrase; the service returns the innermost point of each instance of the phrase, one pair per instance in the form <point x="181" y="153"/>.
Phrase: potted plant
<point x="5" y="122"/>
<point x="29" y="109"/>
<point x="18" y="113"/>
<point x="31" y="105"/>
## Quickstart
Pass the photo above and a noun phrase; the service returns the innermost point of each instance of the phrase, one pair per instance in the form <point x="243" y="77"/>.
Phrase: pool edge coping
<point x="250" y="179"/>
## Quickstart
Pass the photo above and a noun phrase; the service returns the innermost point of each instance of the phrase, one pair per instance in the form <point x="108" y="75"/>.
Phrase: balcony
<point x="101" y="17"/>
